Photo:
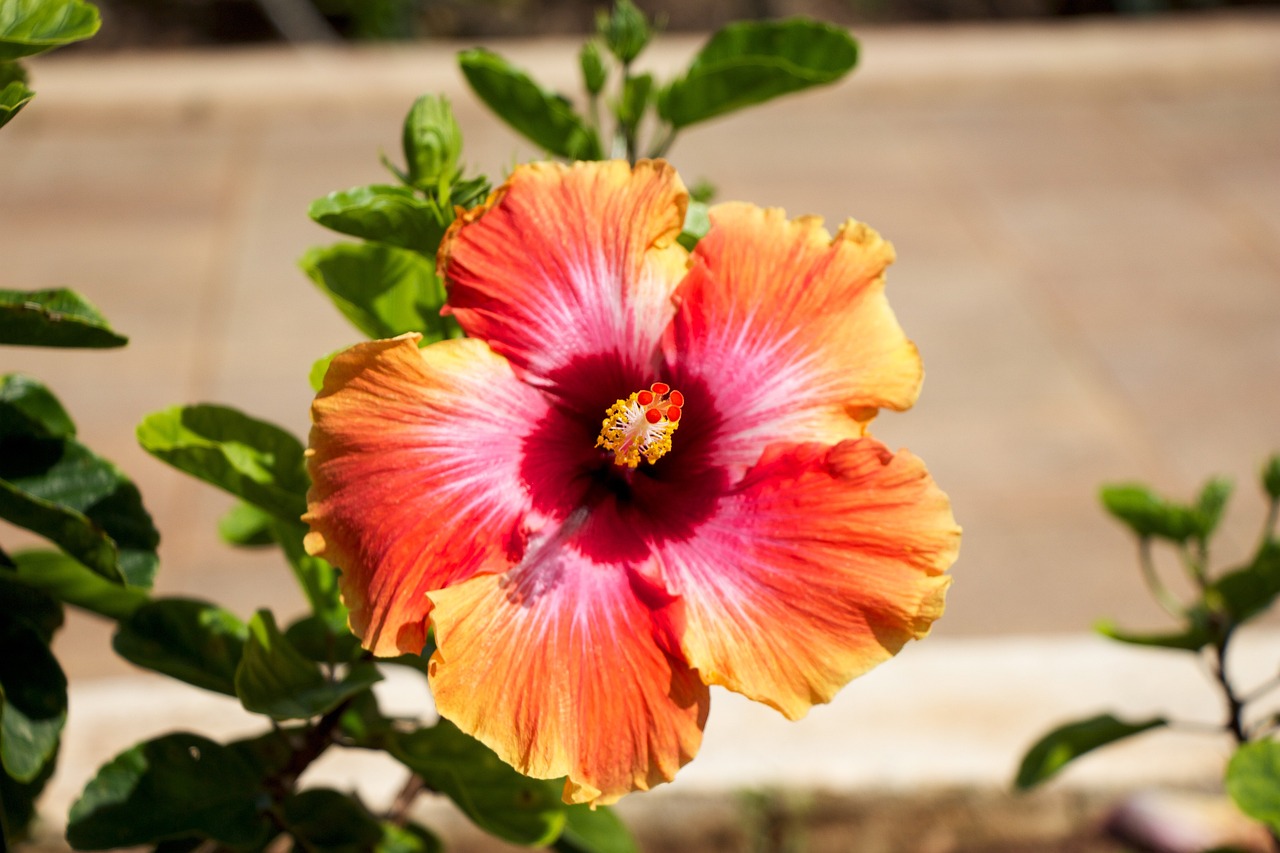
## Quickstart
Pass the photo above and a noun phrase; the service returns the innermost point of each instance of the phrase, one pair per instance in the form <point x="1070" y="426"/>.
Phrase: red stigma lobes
<point x="641" y="425"/>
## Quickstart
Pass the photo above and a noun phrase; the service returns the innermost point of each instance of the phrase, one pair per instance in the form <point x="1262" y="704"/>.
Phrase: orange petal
<point x="416" y="483"/>
<point x="554" y="666"/>
<point x="823" y="564"/>
<point x="791" y="329"/>
<point x="568" y="262"/>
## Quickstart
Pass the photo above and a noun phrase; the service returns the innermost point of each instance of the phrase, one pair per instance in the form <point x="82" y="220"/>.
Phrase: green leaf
<point x="61" y="490"/>
<point x="594" y="72"/>
<point x="28" y="27"/>
<point x="596" y="830"/>
<point x="750" y="62"/>
<point x="73" y="582"/>
<point x="28" y="608"/>
<point x="176" y="785"/>
<point x="1147" y="515"/>
<point x="1210" y="504"/>
<point x="12" y="72"/>
<point x="499" y="800"/>
<point x="1194" y="638"/>
<point x="696" y="225"/>
<point x="1067" y="743"/>
<point x="192" y="641"/>
<point x="319" y="368"/>
<point x="1271" y="477"/>
<point x="18" y="801"/>
<point x="28" y="408"/>
<point x="410" y="838"/>
<point x="13" y="97"/>
<point x="1248" y="591"/>
<point x="636" y="93"/>
<point x="625" y="30"/>
<point x="325" y="820"/>
<point x="316" y="639"/>
<point x="33" y="699"/>
<point x="252" y="459"/>
<point x="1253" y="781"/>
<point x="548" y="120"/>
<point x="385" y="214"/>
<point x="275" y="679"/>
<point x="53" y="318"/>
<point x="383" y="290"/>
<point x="318" y="579"/>
<point x="246" y="526"/>
<point x="432" y="142"/>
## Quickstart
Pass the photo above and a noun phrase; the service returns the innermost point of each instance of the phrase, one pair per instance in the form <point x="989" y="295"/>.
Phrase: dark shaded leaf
<point x="246" y="526"/>
<point x="33" y="696"/>
<point x="499" y="800"/>
<point x="1066" y="743"/>
<point x="384" y="291"/>
<point x="594" y="831"/>
<point x="319" y="641"/>
<point x="385" y="214"/>
<point x="29" y="409"/>
<point x="1147" y="515"/>
<point x="548" y="120"/>
<point x="174" y="786"/>
<point x="192" y="641"/>
<point x="61" y="490"/>
<point x="322" y="819"/>
<point x="28" y="27"/>
<point x="72" y="582"/>
<point x="28" y="608"/>
<point x="18" y="800"/>
<point x="635" y="98"/>
<point x="1248" y="591"/>
<point x="750" y="62"/>
<point x="53" y="318"/>
<point x="13" y="97"/>
<point x="1271" y="477"/>
<point x="275" y="679"/>
<point x="1253" y="781"/>
<point x="256" y="461"/>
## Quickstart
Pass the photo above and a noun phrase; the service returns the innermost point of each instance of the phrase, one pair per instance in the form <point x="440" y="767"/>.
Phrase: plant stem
<point x="663" y="144"/>
<point x="1235" y="707"/>
<point x="398" y="814"/>
<point x="1166" y="600"/>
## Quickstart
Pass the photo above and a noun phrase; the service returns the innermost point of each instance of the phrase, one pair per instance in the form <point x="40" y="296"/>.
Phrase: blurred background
<point x="1085" y="201"/>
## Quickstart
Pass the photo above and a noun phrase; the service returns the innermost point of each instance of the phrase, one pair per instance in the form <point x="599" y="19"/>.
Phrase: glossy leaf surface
<point x="396" y="216"/>
<point x="53" y="318"/>
<point x="1067" y="743"/>
<point x="192" y="641"/>
<point x="28" y="27"/>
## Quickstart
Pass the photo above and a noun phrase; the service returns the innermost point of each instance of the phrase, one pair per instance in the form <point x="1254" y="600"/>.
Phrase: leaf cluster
<point x="1224" y="601"/>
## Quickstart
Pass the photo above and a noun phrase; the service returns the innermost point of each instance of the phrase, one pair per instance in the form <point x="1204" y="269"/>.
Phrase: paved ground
<point x="1087" y="219"/>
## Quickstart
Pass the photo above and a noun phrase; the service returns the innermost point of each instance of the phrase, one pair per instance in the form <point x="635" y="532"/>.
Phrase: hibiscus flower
<point x="644" y="472"/>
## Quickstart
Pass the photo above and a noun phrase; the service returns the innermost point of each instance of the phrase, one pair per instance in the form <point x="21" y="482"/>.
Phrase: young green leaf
<point x="496" y="798"/>
<point x="322" y="819"/>
<point x="53" y="318"/>
<point x="63" y="491"/>
<point x="13" y="97"/>
<point x="750" y="62"/>
<point x="594" y="72"/>
<point x="383" y="290"/>
<point x="318" y="369"/>
<point x="410" y="838"/>
<point x="1209" y="506"/>
<point x="1147" y="515"/>
<point x="432" y="142"/>
<point x="1253" y="781"/>
<point x="1194" y="638"/>
<point x="597" y="830"/>
<point x="192" y="641"/>
<point x="1066" y="743"/>
<point x="384" y="214"/>
<point x="696" y="225"/>
<point x="69" y="580"/>
<point x="548" y="120"/>
<point x="275" y="679"/>
<point x="246" y="526"/>
<point x="28" y="27"/>
<point x="176" y="785"/>
<point x="252" y="459"/>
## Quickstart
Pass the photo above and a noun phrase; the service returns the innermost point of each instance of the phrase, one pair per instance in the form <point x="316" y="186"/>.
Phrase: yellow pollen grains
<point x="641" y="425"/>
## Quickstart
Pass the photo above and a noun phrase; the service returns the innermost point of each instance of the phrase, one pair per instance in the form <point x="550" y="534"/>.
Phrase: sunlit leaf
<point x="1192" y="639"/>
<point x="383" y="290"/>
<point x="252" y="459"/>
<point x="1253" y="781"/>
<point x="13" y="97"/>
<point x="28" y="27"/>
<point x="53" y="318"/>
<point x="1067" y="743"/>
<point x="192" y="641"/>
<point x="747" y="63"/>
<point x="396" y="216"/>
<point x="69" y="580"/>
<point x="246" y="526"/>
<point x="696" y="225"/>
<point x="496" y="798"/>
<point x="595" y="830"/>
<point x="547" y="120"/>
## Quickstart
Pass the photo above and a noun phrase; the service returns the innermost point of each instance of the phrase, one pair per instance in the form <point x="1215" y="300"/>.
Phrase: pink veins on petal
<point x="594" y="547"/>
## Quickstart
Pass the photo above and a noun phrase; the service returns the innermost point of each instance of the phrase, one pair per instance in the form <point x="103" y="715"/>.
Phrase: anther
<point x="641" y="425"/>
